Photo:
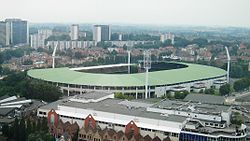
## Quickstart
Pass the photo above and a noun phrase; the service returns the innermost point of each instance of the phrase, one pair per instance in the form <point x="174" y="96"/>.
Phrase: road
<point x="231" y="99"/>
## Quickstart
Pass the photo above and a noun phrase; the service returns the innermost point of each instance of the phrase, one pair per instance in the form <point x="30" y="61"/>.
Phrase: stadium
<point x="163" y="77"/>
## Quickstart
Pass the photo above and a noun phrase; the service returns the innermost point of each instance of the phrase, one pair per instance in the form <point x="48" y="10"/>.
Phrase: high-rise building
<point x="19" y="31"/>
<point x="101" y="33"/>
<point x="97" y="33"/>
<point x="4" y="34"/>
<point x="74" y="32"/>
<point x="120" y="37"/>
<point x="168" y="36"/>
<point x="38" y="40"/>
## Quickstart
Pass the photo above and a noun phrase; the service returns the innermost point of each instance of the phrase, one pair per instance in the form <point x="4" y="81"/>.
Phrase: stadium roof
<point x="65" y="75"/>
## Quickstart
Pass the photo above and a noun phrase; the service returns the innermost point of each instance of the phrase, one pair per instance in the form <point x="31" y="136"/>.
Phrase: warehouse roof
<point x="205" y="98"/>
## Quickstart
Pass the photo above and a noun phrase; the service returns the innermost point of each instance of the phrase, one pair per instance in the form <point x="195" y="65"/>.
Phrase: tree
<point x="236" y="71"/>
<point x="210" y="91"/>
<point x="181" y="42"/>
<point x="201" y="42"/>
<point x="241" y="84"/>
<point x="64" y="37"/>
<point x="75" y="137"/>
<point x="22" y="131"/>
<point x="16" y="129"/>
<point x="1" y="58"/>
<point x="44" y="125"/>
<point x="29" y="126"/>
<point x="5" y="130"/>
<point x="181" y="94"/>
<point x="27" y="62"/>
<point x="237" y="118"/>
<point x="225" y="89"/>
<point x="166" y="43"/>
<point x="38" y="125"/>
<point x="43" y="91"/>
<point x="119" y="95"/>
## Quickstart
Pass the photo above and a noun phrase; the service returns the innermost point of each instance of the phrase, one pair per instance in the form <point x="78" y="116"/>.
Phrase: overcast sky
<point x="165" y="12"/>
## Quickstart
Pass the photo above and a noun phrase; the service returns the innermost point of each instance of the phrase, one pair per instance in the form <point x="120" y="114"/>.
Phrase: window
<point x="52" y="119"/>
<point x="132" y="130"/>
<point x="175" y="134"/>
<point x="42" y="113"/>
<point x="166" y="133"/>
<point x="90" y="124"/>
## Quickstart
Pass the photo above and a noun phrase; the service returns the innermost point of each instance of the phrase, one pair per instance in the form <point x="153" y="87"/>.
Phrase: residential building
<point x="38" y="40"/>
<point x="168" y="36"/>
<point x="101" y="33"/>
<point x="128" y="43"/>
<point x="64" y="45"/>
<point x="74" y="32"/>
<point x="19" y="31"/>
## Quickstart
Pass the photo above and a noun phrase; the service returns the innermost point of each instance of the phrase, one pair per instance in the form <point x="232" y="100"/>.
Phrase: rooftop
<point x="205" y="98"/>
<point x="191" y="106"/>
<point x="92" y="95"/>
<point x="230" y="130"/>
<point x="116" y="106"/>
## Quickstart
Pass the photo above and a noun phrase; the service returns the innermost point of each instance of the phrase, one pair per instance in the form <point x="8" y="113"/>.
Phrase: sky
<point x="154" y="12"/>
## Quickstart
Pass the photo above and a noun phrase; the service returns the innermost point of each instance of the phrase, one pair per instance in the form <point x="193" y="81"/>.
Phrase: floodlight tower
<point x="129" y="59"/>
<point x="228" y="64"/>
<point x="147" y="66"/>
<point x="54" y="55"/>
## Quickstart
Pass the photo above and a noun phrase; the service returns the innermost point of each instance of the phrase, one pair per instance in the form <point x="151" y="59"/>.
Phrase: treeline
<point x="19" y="84"/>
<point x="176" y="95"/>
<point x="134" y="37"/>
<point x="238" y="69"/>
<point x="64" y="37"/>
<point x="241" y="84"/>
<point x="14" y="53"/>
<point x="27" y="130"/>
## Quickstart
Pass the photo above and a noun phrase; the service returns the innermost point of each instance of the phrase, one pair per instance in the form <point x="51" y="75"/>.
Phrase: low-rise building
<point x="176" y="120"/>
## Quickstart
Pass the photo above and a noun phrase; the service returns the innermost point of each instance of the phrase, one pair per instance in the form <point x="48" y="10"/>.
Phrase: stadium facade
<point x="72" y="81"/>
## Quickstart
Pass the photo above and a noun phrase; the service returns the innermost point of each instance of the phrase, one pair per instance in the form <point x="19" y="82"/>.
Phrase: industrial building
<point x="176" y="120"/>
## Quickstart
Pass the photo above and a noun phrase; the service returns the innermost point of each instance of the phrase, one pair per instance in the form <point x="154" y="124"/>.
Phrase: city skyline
<point x="161" y="12"/>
